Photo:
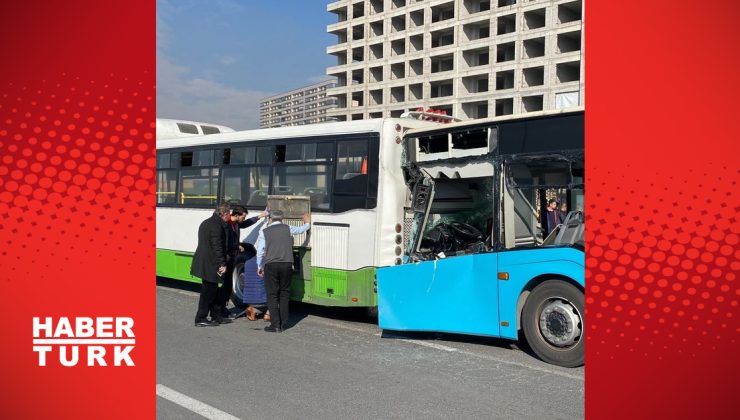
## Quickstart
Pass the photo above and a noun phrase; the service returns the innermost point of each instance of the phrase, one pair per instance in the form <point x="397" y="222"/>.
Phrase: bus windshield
<point x="491" y="201"/>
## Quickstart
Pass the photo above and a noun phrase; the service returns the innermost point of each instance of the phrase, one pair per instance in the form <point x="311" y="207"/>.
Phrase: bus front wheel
<point x="237" y="291"/>
<point x="552" y="321"/>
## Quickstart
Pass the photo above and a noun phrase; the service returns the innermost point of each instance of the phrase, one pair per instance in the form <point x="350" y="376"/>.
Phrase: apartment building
<point x="471" y="58"/>
<point x="305" y="105"/>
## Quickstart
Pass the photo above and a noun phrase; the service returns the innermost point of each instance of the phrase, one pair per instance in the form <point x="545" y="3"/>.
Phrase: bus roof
<point x="485" y="122"/>
<point x="167" y="128"/>
<point x="342" y="127"/>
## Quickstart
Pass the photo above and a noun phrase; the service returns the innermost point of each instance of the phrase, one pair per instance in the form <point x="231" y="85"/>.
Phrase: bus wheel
<point x="553" y="323"/>
<point x="372" y="312"/>
<point x="237" y="290"/>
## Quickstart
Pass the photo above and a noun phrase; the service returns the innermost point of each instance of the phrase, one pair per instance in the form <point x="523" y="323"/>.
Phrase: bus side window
<point x="167" y="186"/>
<point x="351" y="182"/>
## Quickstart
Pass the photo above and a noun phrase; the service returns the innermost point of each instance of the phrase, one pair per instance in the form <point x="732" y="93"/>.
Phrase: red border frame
<point x="662" y="224"/>
<point x="76" y="202"/>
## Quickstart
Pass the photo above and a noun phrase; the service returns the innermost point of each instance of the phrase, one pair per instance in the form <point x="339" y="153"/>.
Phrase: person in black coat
<point x="209" y="264"/>
<point x="550" y="218"/>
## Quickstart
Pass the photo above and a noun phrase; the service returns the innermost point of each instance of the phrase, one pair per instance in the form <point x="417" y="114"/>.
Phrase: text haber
<point x="95" y="336"/>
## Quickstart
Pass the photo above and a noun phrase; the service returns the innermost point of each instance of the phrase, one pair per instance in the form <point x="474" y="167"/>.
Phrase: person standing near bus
<point x="563" y="211"/>
<point x="551" y="218"/>
<point x="237" y="221"/>
<point x="275" y="263"/>
<point x="209" y="264"/>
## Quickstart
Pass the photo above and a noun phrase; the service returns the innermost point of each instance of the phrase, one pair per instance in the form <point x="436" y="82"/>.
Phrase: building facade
<point x="305" y="105"/>
<point x="471" y="58"/>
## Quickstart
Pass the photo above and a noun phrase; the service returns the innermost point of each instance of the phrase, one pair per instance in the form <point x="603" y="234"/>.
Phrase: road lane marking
<point x="330" y="323"/>
<point x="192" y="404"/>
<point x="449" y="349"/>
<point x="429" y="344"/>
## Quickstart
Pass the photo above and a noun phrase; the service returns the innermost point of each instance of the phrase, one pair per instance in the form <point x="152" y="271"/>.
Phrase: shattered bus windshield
<point x="459" y="220"/>
<point x="488" y="201"/>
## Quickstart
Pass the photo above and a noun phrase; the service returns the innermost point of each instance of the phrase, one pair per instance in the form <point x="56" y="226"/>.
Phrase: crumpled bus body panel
<point x="456" y="295"/>
<point x="463" y="294"/>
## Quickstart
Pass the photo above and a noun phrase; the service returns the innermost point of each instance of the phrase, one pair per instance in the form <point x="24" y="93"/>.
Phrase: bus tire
<point x="372" y="312"/>
<point x="237" y="288"/>
<point x="552" y="321"/>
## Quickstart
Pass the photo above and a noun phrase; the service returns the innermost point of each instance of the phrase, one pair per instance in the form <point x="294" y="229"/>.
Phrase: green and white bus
<point x="350" y="171"/>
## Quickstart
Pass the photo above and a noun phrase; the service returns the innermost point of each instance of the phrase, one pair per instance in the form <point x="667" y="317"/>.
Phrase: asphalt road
<point x="336" y="364"/>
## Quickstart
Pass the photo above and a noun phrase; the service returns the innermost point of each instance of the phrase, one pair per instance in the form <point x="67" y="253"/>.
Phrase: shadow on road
<point x="300" y="310"/>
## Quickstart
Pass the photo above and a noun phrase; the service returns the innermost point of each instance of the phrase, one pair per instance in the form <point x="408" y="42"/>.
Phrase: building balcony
<point x="331" y="7"/>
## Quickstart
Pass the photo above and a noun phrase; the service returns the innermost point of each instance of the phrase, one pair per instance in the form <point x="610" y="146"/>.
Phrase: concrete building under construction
<point x="471" y="58"/>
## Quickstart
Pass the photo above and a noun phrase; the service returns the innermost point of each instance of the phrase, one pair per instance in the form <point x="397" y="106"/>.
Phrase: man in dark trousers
<point x="209" y="264"/>
<point x="237" y="221"/>
<point x="275" y="262"/>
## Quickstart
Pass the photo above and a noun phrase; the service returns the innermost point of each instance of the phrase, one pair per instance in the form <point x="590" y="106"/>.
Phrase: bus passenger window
<point x="293" y="153"/>
<point x="434" y="144"/>
<point x="325" y="151"/>
<point x="198" y="187"/>
<point x="310" y="180"/>
<point x="203" y="158"/>
<point x="241" y="155"/>
<point x="265" y="154"/>
<point x="163" y="160"/>
<point x="245" y="185"/>
<point x="356" y="176"/>
<point x="470" y="139"/>
<point x="352" y="167"/>
<point x="186" y="159"/>
<point x="280" y="153"/>
<point x="167" y="186"/>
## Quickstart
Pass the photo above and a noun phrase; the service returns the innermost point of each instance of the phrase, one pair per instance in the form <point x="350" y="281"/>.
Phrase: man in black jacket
<point x="550" y="218"/>
<point x="209" y="264"/>
<point x="237" y="221"/>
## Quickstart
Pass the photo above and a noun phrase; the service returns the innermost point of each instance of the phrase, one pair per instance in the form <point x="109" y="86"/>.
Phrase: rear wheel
<point x="237" y="291"/>
<point x="552" y="321"/>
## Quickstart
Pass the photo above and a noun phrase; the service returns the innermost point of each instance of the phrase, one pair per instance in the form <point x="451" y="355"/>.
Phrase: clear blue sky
<point x="217" y="58"/>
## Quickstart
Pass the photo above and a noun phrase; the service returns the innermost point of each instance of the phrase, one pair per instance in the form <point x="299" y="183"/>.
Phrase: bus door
<point x="454" y="293"/>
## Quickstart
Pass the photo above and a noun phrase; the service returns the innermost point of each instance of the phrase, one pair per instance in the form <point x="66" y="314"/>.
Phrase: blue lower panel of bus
<point x="457" y="295"/>
<point x="463" y="294"/>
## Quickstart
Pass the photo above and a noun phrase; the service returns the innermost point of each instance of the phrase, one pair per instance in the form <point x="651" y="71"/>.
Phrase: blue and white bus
<point x="474" y="259"/>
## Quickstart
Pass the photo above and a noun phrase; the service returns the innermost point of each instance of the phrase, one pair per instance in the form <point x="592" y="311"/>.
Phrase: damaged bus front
<point x="476" y="258"/>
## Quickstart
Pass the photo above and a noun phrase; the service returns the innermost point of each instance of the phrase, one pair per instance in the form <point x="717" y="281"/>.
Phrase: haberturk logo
<point x="86" y="341"/>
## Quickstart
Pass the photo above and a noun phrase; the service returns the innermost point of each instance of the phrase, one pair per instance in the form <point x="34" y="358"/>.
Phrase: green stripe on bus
<point x="175" y="265"/>
<point x="323" y="286"/>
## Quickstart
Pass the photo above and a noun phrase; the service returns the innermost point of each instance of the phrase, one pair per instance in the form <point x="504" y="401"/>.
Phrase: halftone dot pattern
<point x="71" y="175"/>
<point x="77" y="217"/>
<point x="661" y="264"/>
